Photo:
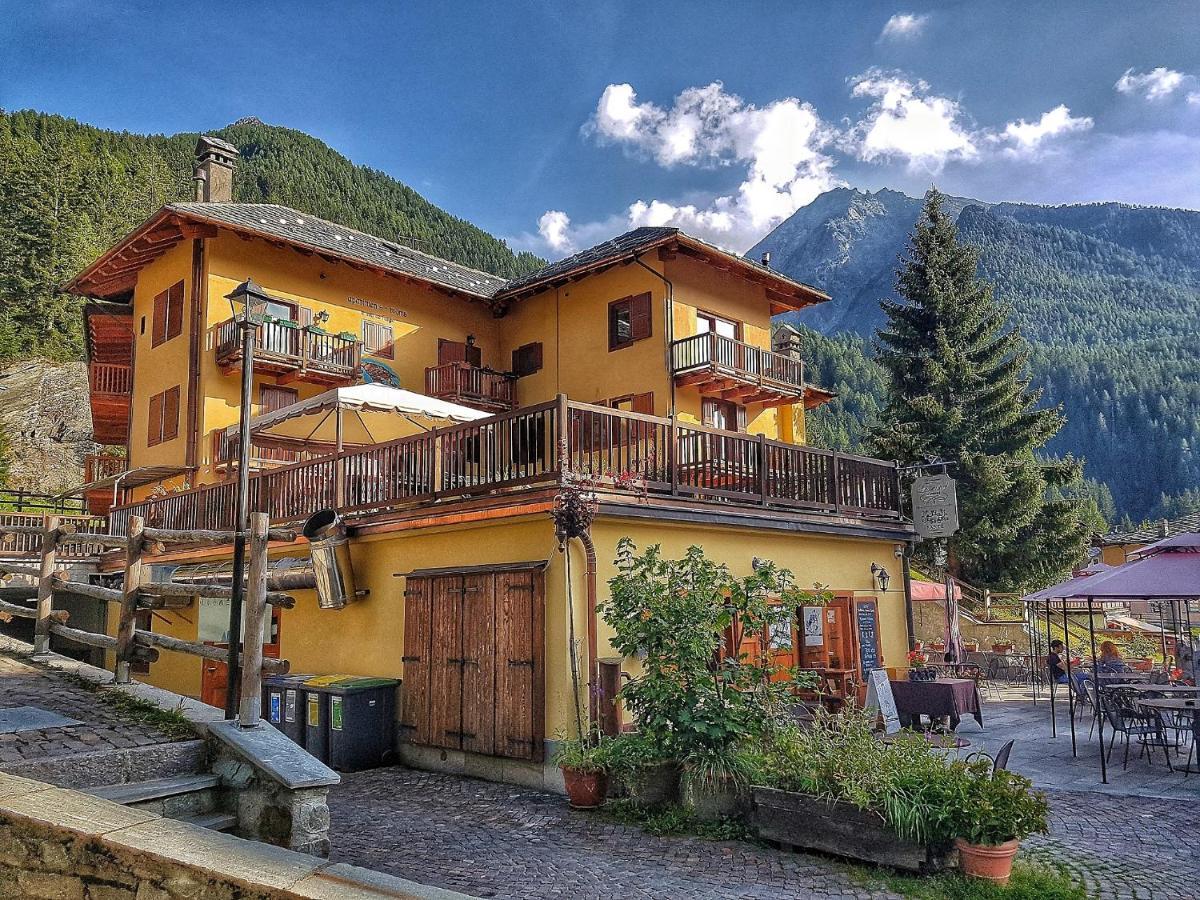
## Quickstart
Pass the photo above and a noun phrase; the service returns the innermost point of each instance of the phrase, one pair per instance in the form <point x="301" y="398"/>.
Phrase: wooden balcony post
<point x="250" y="708"/>
<point x="45" y="590"/>
<point x="129" y="601"/>
<point x="763" y="463"/>
<point x="435" y="474"/>
<point x="562" y="452"/>
<point x="673" y="453"/>
<point x="836" y="481"/>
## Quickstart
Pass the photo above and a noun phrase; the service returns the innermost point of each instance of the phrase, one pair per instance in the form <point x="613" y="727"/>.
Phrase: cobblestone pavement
<point x="494" y="840"/>
<point x="102" y="728"/>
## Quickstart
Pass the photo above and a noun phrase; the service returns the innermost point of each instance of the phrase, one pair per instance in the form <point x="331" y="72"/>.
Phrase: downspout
<point x="199" y="299"/>
<point x="669" y="318"/>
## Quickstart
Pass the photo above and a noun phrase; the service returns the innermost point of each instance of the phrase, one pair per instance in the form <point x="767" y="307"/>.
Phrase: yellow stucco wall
<point x="367" y="637"/>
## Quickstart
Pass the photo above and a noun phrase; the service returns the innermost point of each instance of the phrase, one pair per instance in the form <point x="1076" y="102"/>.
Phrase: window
<point x="723" y="414"/>
<point x="168" y="315"/>
<point x="527" y="359"/>
<point x="163" y="424"/>
<point x="629" y="320"/>
<point x="378" y="339"/>
<point x="638" y="403"/>
<point x="707" y="322"/>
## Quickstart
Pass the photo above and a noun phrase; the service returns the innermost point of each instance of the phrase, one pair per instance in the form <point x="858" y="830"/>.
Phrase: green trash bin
<point x="316" y="714"/>
<point x="362" y="713"/>
<point x="283" y="704"/>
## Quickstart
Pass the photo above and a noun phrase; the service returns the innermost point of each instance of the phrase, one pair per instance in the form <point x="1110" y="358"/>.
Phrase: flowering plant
<point x="917" y="658"/>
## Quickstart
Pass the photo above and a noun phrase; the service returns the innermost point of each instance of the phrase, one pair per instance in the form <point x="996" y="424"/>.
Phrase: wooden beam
<point x="205" y="651"/>
<point x="30" y="612"/>
<point x="127" y="625"/>
<point x="215" y="591"/>
<point x="91" y="591"/>
<point x="257" y="617"/>
<point x="209" y="538"/>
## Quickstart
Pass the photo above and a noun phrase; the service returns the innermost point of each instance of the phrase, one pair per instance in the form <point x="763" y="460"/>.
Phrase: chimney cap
<point x="207" y="144"/>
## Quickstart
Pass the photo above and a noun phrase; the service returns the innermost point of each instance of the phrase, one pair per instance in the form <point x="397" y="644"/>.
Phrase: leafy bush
<point x="995" y="807"/>
<point x="587" y="754"/>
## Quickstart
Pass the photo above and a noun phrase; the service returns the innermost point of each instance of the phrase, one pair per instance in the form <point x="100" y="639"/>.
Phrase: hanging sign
<point x="935" y="506"/>
<point x="879" y="696"/>
<point x="814" y="629"/>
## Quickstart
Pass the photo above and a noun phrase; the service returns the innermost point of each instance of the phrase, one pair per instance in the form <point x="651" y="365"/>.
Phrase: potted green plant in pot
<point x="993" y="813"/>
<point x="647" y="771"/>
<point x="584" y="764"/>
<point x="713" y="783"/>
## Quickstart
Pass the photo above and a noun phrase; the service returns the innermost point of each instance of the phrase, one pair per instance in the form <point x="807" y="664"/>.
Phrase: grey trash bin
<point x="316" y="714"/>
<point x="283" y="704"/>
<point x="362" y="713"/>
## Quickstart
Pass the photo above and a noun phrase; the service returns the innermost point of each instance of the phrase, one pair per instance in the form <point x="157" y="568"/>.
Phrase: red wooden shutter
<point x="158" y="331"/>
<point x="170" y="414"/>
<point x="451" y="351"/>
<point x="274" y="398"/>
<point x="527" y="359"/>
<point x="418" y="645"/>
<point x="154" y="425"/>
<point x="640" y="317"/>
<point x="174" y="311"/>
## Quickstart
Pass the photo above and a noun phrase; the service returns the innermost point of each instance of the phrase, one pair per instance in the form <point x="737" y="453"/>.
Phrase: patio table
<point x="1171" y="690"/>
<point x="945" y="697"/>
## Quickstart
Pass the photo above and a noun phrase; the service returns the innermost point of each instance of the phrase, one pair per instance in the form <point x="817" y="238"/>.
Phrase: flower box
<point x="841" y="829"/>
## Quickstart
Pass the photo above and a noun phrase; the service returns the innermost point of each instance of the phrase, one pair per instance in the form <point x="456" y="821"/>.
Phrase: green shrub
<point x="994" y="807"/>
<point x="586" y="754"/>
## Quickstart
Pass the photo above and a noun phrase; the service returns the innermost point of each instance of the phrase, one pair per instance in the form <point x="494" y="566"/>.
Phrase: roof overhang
<point x="113" y="276"/>
<point x="785" y="294"/>
<point x="138" y="477"/>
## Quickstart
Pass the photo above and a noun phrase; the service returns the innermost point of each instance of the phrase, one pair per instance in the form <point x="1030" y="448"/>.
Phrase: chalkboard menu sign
<point x="868" y="636"/>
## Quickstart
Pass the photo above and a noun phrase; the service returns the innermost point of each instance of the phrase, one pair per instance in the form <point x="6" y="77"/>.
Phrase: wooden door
<point x="214" y="675"/>
<point x="418" y="646"/>
<point x="478" y="682"/>
<point x="520" y="667"/>
<point x="445" y="661"/>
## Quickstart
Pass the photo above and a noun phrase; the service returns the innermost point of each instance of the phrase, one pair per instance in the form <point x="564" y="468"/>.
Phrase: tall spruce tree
<point x="959" y="390"/>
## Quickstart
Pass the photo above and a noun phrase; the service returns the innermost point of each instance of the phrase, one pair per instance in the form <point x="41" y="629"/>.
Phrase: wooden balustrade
<point x="110" y="378"/>
<point x="102" y="465"/>
<point x="750" y="374"/>
<point x="620" y="451"/>
<point x="291" y="350"/>
<point x="461" y="382"/>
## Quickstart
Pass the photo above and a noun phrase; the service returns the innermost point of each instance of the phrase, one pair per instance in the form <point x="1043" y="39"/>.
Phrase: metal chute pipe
<point x="329" y="549"/>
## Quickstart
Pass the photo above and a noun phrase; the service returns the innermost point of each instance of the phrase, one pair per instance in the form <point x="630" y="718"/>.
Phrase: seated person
<point x="1054" y="663"/>
<point x="1110" y="659"/>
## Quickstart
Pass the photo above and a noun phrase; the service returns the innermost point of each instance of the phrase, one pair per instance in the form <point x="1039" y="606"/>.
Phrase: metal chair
<point x="1124" y="716"/>
<point x="999" y="761"/>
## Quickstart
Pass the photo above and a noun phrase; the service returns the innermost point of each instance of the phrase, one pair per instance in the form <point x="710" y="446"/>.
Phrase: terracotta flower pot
<point x="992" y="863"/>
<point x="585" y="790"/>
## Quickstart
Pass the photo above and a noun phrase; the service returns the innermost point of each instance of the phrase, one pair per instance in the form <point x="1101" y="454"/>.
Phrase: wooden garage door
<point x="473" y="662"/>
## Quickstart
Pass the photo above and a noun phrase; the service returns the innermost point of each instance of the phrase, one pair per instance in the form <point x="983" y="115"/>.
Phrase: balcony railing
<point x="292" y="350"/>
<point x="471" y="385"/>
<point x="623" y="451"/>
<point x="711" y="359"/>
<point x="225" y="453"/>
<point x="27" y="509"/>
<point x="110" y="378"/>
<point x="102" y="465"/>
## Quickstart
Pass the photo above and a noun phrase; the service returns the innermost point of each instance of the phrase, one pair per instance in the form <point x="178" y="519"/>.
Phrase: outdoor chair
<point x="999" y="761"/>
<point x="1125" y="717"/>
<point x="1083" y="699"/>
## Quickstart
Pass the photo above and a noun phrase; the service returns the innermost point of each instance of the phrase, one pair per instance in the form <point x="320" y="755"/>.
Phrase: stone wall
<point x="58" y="844"/>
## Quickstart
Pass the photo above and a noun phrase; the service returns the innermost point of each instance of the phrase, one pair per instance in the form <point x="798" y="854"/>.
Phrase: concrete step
<point x="178" y="797"/>
<point x="102" y="768"/>
<point x="217" y="821"/>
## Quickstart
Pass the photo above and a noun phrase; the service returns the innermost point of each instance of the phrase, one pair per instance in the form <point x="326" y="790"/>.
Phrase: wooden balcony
<point x="26" y="509"/>
<point x="642" y="456"/>
<point x="111" y="386"/>
<point x="295" y="353"/>
<point x="734" y="370"/>
<point x="473" y="386"/>
<point x="97" y="466"/>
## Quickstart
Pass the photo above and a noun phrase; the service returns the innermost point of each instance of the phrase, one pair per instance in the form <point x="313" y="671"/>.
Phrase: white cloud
<point x="553" y="227"/>
<point x="781" y="146"/>
<point x="902" y="26"/>
<point x="1194" y="98"/>
<point x="1157" y="84"/>
<point x="905" y="121"/>
<point x="1025" y="138"/>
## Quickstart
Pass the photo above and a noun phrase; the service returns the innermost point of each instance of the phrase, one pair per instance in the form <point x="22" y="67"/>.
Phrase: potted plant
<point x="919" y="669"/>
<point x="1001" y="646"/>
<point x="713" y="781"/>
<point x="647" y="772"/>
<point x="971" y="646"/>
<point x="993" y="812"/>
<point x="584" y="764"/>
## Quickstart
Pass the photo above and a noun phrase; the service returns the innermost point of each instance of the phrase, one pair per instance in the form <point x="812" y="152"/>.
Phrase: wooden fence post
<point x="250" y="709"/>
<point x="45" y="591"/>
<point x="129" y="600"/>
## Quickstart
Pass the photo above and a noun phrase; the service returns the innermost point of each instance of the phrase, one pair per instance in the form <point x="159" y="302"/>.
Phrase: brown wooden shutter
<point x="274" y="398"/>
<point x="445" y="661"/>
<point x="158" y="331"/>
<point x="418" y="645"/>
<point x="174" y="310"/>
<point x="640" y="317"/>
<point x="479" y="664"/>
<point x="170" y="414"/>
<point x="527" y="359"/>
<point x="304" y="316"/>
<point x="740" y="417"/>
<point x="451" y="351"/>
<point x="643" y="403"/>
<point x="520" y="670"/>
<point x="154" y="425"/>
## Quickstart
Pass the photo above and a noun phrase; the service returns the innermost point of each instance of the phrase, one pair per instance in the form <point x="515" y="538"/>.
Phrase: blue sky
<point x="556" y="124"/>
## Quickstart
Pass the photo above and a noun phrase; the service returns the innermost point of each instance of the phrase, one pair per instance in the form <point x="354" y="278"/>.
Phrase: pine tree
<point x="959" y="390"/>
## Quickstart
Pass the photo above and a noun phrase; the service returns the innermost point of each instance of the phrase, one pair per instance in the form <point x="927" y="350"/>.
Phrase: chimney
<point x="786" y="340"/>
<point x="766" y="258"/>
<point x="213" y="175"/>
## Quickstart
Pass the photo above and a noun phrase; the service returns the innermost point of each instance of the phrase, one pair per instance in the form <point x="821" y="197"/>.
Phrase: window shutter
<point x="451" y="351"/>
<point x="274" y="398"/>
<point x="155" y="423"/>
<point x="158" y="333"/>
<point x="304" y="316"/>
<point x="174" y="310"/>
<point x="527" y="359"/>
<point x="640" y="317"/>
<point x="170" y="414"/>
<point x="741" y="417"/>
<point x="644" y="403"/>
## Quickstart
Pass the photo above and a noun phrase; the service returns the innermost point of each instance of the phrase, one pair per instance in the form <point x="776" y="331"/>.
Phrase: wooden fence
<point x="141" y="543"/>
<point x="625" y="451"/>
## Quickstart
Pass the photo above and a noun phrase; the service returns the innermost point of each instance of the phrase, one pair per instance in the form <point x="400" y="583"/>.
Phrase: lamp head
<point x="253" y="300"/>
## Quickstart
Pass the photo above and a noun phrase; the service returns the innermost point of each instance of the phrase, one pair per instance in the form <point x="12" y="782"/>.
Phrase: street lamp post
<point x="253" y="300"/>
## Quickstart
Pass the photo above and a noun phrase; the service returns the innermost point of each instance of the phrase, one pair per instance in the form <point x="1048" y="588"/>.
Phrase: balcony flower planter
<point x="287" y="323"/>
<point x="840" y="829"/>
<point x="1002" y="646"/>
<point x="927" y="673"/>
<point x="991" y="863"/>
<point x="971" y="646"/>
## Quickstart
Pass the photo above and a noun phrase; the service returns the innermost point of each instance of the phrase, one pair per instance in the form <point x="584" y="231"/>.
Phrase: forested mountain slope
<point x="68" y="191"/>
<point x="1108" y="294"/>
